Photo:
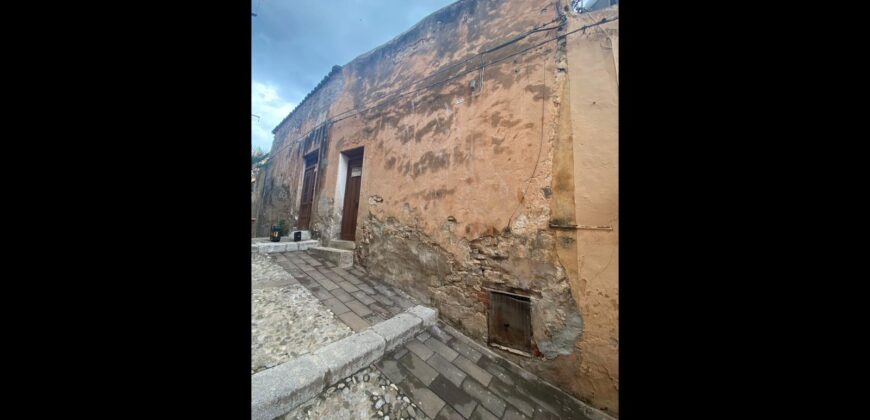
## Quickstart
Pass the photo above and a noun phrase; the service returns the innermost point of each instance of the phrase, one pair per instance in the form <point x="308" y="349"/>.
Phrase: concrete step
<point x="340" y="257"/>
<point x="341" y="244"/>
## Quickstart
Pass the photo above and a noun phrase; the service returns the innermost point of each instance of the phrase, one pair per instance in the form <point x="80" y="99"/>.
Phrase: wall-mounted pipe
<point x="585" y="227"/>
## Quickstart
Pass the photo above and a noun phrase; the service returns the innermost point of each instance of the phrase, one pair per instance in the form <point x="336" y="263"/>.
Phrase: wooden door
<point x="351" y="199"/>
<point x="307" y="197"/>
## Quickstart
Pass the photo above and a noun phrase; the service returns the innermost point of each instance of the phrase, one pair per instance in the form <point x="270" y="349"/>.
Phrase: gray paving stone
<point x="343" y="296"/>
<point x="383" y="312"/>
<point x="383" y="289"/>
<point x="346" y="285"/>
<point x="399" y="353"/>
<point x="358" y="308"/>
<point x="484" y="396"/>
<point x="354" y="321"/>
<point x="334" y="277"/>
<point x="453" y="395"/>
<point x="346" y="274"/>
<point x="481" y="413"/>
<point x="350" y="354"/>
<point x="317" y="276"/>
<point x="366" y="289"/>
<point x="320" y="293"/>
<point x="326" y="283"/>
<point x="425" y="399"/>
<point x="382" y="299"/>
<point x="423" y="336"/>
<point x="390" y="369"/>
<point x="305" y="280"/>
<point x="419" y="368"/>
<point x="438" y="331"/>
<point x="496" y="370"/>
<point x="362" y="297"/>
<point x="448" y="413"/>
<point x="546" y="415"/>
<point x="419" y="349"/>
<point x="402" y="302"/>
<point x="340" y="271"/>
<point x="374" y="318"/>
<point x="512" y="395"/>
<point x="336" y="306"/>
<point x="465" y="349"/>
<point x="352" y="279"/>
<point x="446" y="369"/>
<point x="441" y="348"/>
<point x="511" y="414"/>
<point x="473" y="370"/>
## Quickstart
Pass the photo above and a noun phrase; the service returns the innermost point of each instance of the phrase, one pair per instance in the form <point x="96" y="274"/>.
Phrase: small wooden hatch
<point x="510" y="322"/>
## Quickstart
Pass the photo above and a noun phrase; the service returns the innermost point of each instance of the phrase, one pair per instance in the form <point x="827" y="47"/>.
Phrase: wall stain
<point x="431" y="161"/>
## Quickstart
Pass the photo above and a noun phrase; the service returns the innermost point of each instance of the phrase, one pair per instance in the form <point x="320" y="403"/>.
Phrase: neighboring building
<point x="473" y="161"/>
<point x="592" y="5"/>
<point x="256" y="191"/>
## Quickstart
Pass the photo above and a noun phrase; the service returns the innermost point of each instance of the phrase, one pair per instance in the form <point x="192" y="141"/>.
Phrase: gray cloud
<point x="295" y="43"/>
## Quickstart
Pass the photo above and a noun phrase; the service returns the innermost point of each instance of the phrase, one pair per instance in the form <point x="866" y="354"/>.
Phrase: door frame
<point x="311" y="160"/>
<point x="348" y="159"/>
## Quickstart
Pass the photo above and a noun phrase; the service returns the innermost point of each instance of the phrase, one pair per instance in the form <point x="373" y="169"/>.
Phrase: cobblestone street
<point x="286" y="319"/>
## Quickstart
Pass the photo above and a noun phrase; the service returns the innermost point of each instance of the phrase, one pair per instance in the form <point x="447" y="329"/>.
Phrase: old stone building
<point x="472" y="161"/>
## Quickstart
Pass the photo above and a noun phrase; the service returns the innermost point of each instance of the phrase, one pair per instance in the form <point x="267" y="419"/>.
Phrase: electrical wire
<point x="540" y="147"/>
<point x="391" y="98"/>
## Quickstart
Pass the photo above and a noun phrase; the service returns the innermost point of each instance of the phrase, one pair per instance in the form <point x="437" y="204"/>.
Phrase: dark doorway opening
<point x="351" y="193"/>
<point x="309" y="179"/>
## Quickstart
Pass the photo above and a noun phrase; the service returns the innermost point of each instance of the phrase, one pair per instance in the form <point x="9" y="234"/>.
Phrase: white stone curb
<point x="270" y="247"/>
<point x="277" y="390"/>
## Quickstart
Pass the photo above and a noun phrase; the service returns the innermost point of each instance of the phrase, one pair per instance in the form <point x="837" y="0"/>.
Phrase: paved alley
<point x="445" y="374"/>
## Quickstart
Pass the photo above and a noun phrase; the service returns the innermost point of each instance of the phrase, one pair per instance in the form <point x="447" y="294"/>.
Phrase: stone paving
<point x="445" y="374"/>
<point x="286" y="319"/>
<point x="356" y="299"/>
<point x="451" y="377"/>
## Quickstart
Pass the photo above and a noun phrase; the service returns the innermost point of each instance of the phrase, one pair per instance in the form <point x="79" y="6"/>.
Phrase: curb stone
<point x="278" y="390"/>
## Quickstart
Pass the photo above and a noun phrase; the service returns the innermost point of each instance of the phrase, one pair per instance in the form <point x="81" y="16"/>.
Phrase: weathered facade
<point x="487" y="136"/>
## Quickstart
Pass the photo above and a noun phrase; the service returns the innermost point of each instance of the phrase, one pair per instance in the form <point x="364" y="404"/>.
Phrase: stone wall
<point x="469" y="158"/>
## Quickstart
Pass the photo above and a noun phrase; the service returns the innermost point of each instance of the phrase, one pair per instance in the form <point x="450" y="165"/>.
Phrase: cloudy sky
<point x="296" y="42"/>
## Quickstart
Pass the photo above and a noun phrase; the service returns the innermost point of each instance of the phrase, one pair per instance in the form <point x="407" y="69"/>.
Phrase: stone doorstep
<point x="340" y="257"/>
<point x="277" y="390"/>
<point x="342" y="244"/>
<point x="591" y="412"/>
